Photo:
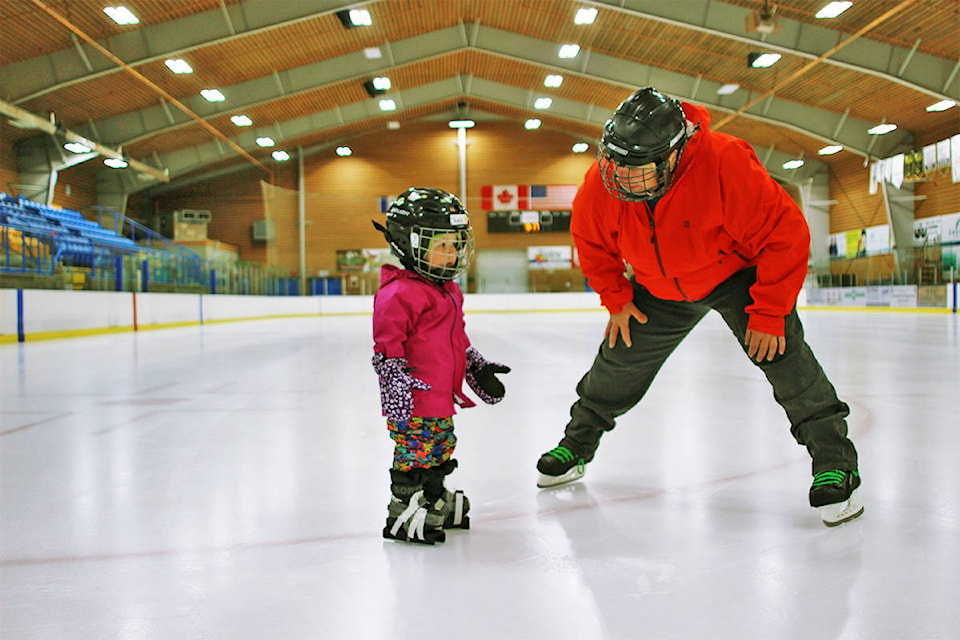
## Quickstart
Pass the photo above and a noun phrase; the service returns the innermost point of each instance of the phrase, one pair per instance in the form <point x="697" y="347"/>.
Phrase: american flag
<point x="527" y="196"/>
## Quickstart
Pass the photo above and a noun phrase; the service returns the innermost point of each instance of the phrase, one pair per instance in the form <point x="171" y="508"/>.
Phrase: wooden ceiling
<point x="297" y="71"/>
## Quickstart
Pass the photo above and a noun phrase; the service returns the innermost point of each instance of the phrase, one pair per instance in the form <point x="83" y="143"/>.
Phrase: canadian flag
<point x="505" y="197"/>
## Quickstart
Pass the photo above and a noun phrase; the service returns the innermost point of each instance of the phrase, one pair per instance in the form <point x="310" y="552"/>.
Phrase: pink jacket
<point x="423" y="322"/>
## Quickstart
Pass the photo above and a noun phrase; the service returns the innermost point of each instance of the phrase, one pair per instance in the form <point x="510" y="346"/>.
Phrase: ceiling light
<point x="580" y="147"/>
<point x="542" y="103"/>
<point x="553" y="80"/>
<point x="241" y="120"/>
<point x="121" y="15"/>
<point x="178" y="66"/>
<point x="265" y="141"/>
<point x="213" y="95"/>
<point x="388" y="105"/>
<point x="762" y="60"/>
<point x="727" y="89"/>
<point x="833" y="9"/>
<point x="569" y="50"/>
<point x="532" y="123"/>
<point x="343" y="152"/>
<point x="354" y="18"/>
<point x="280" y="155"/>
<point x="461" y="124"/>
<point x="373" y="53"/>
<point x="830" y="149"/>
<point x="115" y="163"/>
<point x="77" y="147"/>
<point x="793" y="164"/>
<point x="585" y="16"/>
<point x="881" y="129"/>
<point x="943" y="105"/>
<point x="393" y="125"/>
<point x="375" y="86"/>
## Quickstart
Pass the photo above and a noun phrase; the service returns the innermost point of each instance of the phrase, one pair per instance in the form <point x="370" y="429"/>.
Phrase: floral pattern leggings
<point x="421" y="443"/>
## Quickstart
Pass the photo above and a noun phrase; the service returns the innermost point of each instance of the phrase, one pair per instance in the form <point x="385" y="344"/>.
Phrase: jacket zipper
<point x="656" y="250"/>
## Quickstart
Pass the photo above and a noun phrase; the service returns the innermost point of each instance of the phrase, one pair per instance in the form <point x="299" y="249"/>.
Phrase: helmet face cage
<point x="441" y="254"/>
<point x="634" y="154"/>
<point x="635" y="184"/>
<point x="429" y="231"/>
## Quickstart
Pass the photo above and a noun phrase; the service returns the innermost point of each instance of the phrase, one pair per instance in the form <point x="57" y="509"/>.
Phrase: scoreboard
<point x="527" y="221"/>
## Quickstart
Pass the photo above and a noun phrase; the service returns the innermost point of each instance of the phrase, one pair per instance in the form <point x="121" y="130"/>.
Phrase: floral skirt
<point x="421" y="443"/>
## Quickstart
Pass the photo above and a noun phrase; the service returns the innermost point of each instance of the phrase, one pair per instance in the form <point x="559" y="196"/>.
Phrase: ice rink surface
<point x="230" y="482"/>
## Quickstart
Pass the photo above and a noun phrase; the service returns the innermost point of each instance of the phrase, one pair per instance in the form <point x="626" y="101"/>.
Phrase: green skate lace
<point x="565" y="455"/>
<point x="833" y="476"/>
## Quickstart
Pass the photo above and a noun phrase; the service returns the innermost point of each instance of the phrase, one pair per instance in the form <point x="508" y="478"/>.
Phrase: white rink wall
<point x="36" y="314"/>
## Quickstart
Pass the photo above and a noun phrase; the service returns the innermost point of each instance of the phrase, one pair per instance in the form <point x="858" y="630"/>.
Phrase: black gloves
<point x="482" y="379"/>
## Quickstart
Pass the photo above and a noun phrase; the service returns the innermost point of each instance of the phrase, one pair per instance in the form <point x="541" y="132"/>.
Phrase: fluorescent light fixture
<point x="943" y="105"/>
<point x="585" y="16"/>
<point x="569" y="50"/>
<point x="542" y="103"/>
<point x="833" y="9"/>
<point x="360" y="18"/>
<point x="213" y="95"/>
<point x="532" y="123"/>
<point x="388" y="105"/>
<point x="793" y="164"/>
<point x="178" y="65"/>
<point x="553" y="80"/>
<point x="280" y="155"/>
<point x="121" y="15"/>
<point x="373" y="53"/>
<point x="762" y="60"/>
<point x="115" y="163"/>
<point x="393" y="125"/>
<point x="381" y="83"/>
<point x="241" y="120"/>
<point x="830" y="149"/>
<point x="265" y="141"/>
<point x="881" y="129"/>
<point x="344" y="151"/>
<point x="461" y="124"/>
<point x="580" y="147"/>
<point x="77" y="147"/>
<point x="727" y="89"/>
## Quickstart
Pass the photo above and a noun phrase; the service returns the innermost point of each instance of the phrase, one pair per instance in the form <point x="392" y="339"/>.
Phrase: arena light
<point x="121" y="15"/>
<point x="793" y="164"/>
<point x="553" y="80"/>
<point x="833" y="9"/>
<point x="76" y="147"/>
<point x="580" y="147"/>
<point x="178" y="65"/>
<point x="280" y="156"/>
<point x="241" y="120"/>
<point x="212" y="95"/>
<point x="265" y="141"/>
<point x="830" y="149"/>
<point x="532" y="123"/>
<point x="344" y="151"/>
<point x="943" y="105"/>
<point x="881" y="129"/>
<point x="569" y="51"/>
<point x="758" y="60"/>
<point x="542" y="103"/>
<point x="585" y="15"/>
<point x="461" y="124"/>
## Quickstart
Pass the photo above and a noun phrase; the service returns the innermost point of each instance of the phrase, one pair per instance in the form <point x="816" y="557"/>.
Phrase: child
<point x="422" y="356"/>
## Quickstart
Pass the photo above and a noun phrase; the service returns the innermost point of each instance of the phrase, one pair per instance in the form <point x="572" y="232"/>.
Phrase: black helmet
<point x="645" y="129"/>
<point x="420" y="216"/>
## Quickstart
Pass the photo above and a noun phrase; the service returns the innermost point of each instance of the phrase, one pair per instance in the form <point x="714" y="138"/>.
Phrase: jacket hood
<point x="697" y="114"/>
<point x="389" y="273"/>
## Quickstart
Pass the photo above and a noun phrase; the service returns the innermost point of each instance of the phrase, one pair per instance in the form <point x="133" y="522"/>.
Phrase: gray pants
<point x="620" y="377"/>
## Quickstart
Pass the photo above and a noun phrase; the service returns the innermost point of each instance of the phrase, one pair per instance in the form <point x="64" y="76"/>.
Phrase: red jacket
<point x="722" y="214"/>
<point x="423" y="322"/>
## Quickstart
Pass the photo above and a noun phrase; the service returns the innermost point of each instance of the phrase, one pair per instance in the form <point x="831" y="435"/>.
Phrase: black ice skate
<point x="410" y="516"/>
<point x="559" y="466"/>
<point x="834" y="493"/>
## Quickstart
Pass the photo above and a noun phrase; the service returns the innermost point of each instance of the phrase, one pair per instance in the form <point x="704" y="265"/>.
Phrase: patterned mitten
<point x="396" y="387"/>
<point x="482" y="379"/>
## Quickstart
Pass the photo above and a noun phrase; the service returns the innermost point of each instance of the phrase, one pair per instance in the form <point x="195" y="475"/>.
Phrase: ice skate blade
<point x="840" y="512"/>
<point x="545" y="481"/>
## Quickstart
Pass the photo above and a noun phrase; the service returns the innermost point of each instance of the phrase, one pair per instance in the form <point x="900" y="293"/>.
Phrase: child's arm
<point x="396" y="387"/>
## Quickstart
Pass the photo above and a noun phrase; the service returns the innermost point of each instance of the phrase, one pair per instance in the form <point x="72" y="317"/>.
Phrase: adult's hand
<point x="763" y="346"/>
<point x="619" y="324"/>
